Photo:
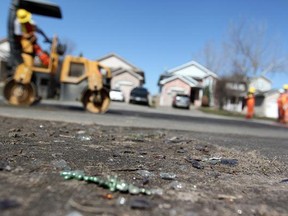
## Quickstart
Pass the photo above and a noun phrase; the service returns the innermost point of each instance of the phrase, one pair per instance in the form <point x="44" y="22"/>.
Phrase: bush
<point x="206" y="97"/>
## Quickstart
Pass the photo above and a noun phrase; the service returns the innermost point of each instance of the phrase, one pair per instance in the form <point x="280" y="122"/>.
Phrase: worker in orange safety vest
<point x="250" y="102"/>
<point x="25" y="27"/>
<point x="285" y="104"/>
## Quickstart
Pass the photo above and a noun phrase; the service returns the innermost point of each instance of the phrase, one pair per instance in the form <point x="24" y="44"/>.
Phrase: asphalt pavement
<point x="267" y="137"/>
<point x="122" y="114"/>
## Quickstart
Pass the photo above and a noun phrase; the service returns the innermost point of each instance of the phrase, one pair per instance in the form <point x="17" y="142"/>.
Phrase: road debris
<point x="229" y="162"/>
<point x="167" y="176"/>
<point x="219" y="160"/>
<point x="36" y="163"/>
<point x="157" y="191"/>
<point x="4" y="166"/>
<point x="8" y="204"/>
<point x="66" y="136"/>
<point x="176" y="185"/>
<point x="195" y="163"/>
<point x="84" y="137"/>
<point x="110" y="182"/>
<point x="181" y="151"/>
<point x="284" y="181"/>
<point x="202" y="148"/>
<point x="121" y="201"/>
<point x="228" y="197"/>
<point x="61" y="164"/>
<point x="89" y="208"/>
<point x="173" y="140"/>
<point x="140" y="203"/>
<point x="108" y="196"/>
<point x="145" y="173"/>
<point x="74" y="213"/>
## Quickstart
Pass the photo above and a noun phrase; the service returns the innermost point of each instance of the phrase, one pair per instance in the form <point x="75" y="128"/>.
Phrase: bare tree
<point x="70" y="45"/>
<point x="251" y="51"/>
<point x="246" y="49"/>
<point x="212" y="57"/>
<point x="233" y="86"/>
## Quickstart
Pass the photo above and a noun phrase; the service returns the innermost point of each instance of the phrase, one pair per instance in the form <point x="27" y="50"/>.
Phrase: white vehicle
<point x="116" y="95"/>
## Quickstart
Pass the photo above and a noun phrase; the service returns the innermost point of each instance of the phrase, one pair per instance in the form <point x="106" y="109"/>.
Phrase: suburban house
<point x="265" y="96"/>
<point x="231" y="91"/>
<point x="191" y="79"/>
<point x="125" y="76"/>
<point x="266" y="104"/>
<point x="260" y="83"/>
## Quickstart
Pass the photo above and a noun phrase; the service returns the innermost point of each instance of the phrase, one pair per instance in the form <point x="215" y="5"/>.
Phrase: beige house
<point x="191" y="79"/>
<point x="125" y="76"/>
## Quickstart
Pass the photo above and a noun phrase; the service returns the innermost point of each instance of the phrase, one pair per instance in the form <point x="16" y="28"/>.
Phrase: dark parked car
<point x="139" y="95"/>
<point x="181" y="101"/>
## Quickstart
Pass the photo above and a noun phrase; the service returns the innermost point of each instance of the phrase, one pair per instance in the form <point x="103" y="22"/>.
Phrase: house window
<point x="259" y="99"/>
<point x="76" y="69"/>
<point x="233" y="100"/>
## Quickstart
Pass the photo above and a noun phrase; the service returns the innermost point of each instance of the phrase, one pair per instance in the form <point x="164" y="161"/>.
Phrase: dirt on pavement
<point x="185" y="176"/>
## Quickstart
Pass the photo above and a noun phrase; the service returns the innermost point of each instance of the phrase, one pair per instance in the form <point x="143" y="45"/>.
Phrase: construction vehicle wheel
<point x="20" y="94"/>
<point x="96" y="101"/>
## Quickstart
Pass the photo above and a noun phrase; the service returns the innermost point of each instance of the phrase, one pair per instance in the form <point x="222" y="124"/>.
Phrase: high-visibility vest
<point x="250" y="103"/>
<point x="285" y="106"/>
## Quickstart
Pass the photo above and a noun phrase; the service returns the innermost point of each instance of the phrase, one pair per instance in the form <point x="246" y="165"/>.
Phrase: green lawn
<point x="217" y="111"/>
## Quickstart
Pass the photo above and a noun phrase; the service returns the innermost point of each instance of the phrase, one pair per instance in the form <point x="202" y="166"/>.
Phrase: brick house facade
<point x="190" y="78"/>
<point x="125" y="76"/>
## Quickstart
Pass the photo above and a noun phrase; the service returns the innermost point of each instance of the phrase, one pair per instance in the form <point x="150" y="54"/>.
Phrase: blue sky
<point x="156" y="35"/>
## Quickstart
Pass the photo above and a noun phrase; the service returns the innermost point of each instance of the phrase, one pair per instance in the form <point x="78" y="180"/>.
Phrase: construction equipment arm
<point x="38" y="30"/>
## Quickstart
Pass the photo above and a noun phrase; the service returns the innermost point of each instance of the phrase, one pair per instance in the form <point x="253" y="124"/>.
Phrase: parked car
<point x="181" y="101"/>
<point x="116" y="95"/>
<point x="139" y="95"/>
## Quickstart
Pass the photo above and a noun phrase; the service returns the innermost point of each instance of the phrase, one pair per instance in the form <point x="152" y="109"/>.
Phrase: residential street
<point x="266" y="136"/>
<point x="112" y="108"/>
<point x="146" y="161"/>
